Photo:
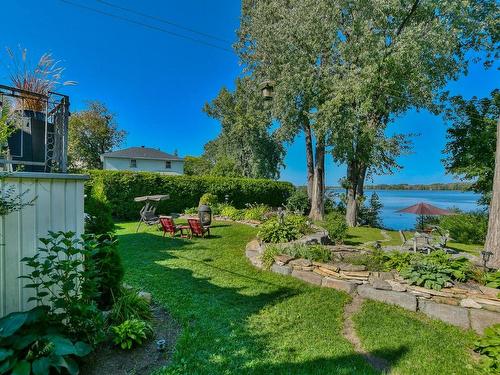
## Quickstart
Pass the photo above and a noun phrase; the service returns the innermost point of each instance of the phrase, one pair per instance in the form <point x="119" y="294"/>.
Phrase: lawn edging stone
<point x="467" y="309"/>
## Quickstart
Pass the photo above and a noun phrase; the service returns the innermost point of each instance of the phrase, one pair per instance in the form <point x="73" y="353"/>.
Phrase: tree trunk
<point x="310" y="160"/>
<point x="360" y="188"/>
<point x="318" y="189"/>
<point x="351" y="214"/>
<point x="493" y="238"/>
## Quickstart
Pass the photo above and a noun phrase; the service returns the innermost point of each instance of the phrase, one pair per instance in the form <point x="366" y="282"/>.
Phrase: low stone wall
<point x="465" y="306"/>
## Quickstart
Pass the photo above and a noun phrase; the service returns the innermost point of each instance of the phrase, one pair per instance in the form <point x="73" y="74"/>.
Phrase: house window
<point x="168" y="164"/>
<point x="133" y="163"/>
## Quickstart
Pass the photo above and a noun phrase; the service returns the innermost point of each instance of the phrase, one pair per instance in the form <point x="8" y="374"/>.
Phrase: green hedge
<point x="119" y="189"/>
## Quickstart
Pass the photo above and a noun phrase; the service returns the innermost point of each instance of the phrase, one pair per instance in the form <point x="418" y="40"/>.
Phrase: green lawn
<point x="237" y="319"/>
<point x="423" y="346"/>
<point x="360" y="235"/>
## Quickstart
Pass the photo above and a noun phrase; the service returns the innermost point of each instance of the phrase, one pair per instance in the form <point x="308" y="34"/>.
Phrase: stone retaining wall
<point x="461" y="305"/>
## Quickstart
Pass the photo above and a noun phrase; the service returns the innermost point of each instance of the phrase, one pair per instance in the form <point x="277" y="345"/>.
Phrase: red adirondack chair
<point x="168" y="226"/>
<point x="197" y="229"/>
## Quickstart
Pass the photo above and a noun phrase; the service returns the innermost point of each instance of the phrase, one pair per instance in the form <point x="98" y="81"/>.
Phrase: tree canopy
<point x="245" y="146"/>
<point x="472" y="140"/>
<point x="92" y="132"/>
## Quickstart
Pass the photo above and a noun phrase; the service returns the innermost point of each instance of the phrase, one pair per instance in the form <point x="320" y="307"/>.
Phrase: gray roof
<point x="141" y="153"/>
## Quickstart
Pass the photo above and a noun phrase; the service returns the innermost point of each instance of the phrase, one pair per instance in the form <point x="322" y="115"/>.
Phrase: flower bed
<point x="463" y="305"/>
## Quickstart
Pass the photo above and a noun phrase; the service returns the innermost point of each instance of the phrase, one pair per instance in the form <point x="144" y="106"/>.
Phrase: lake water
<point x="394" y="200"/>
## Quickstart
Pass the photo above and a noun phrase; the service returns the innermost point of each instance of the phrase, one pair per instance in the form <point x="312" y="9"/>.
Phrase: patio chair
<point x="168" y="226"/>
<point x="197" y="229"/>
<point x="404" y="239"/>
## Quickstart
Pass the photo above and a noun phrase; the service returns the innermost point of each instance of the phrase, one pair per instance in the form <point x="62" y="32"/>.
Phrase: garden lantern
<point x="161" y="345"/>
<point x="205" y="215"/>
<point x="267" y="89"/>
<point x="486" y="255"/>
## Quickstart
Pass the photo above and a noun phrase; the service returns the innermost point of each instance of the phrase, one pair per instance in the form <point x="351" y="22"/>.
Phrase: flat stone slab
<point x="346" y="286"/>
<point x="381" y="284"/>
<point x="282" y="259"/>
<point x="457" y="316"/>
<point x="307" y="276"/>
<point x="254" y="245"/>
<point x="300" y="263"/>
<point x="281" y="269"/>
<point x="481" y="319"/>
<point x="350" y="267"/>
<point x="405" y="300"/>
<point x="396" y="286"/>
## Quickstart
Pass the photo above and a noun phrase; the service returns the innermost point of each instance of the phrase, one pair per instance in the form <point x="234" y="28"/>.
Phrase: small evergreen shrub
<point x="131" y="332"/>
<point x="369" y="215"/>
<point x="209" y="199"/>
<point x="98" y="218"/>
<point x="298" y="202"/>
<point x="336" y="226"/>
<point x="109" y="269"/>
<point x="470" y="228"/>
<point x="292" y="228"/>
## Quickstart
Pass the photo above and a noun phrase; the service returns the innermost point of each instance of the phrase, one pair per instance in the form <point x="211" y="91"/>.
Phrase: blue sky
<point x="157" y="83"/>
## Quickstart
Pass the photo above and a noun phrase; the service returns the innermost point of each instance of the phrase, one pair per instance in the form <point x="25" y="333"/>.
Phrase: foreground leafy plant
<point x="31" y="344"/>
<point x="130" y="332"/>
<point x="65" y="278"/>
<point x="492" y="279"/>
<point x="292" y="228"/>
<point x="489" y="347"/>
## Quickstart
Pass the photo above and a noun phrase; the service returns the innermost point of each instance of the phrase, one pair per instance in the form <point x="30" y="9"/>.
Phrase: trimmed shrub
<point x="209" y="199"/>
<point x="98" y="218"/>
<point x="470" y="228"/>
<point x="119" y="188"/>
<point x="336" y="227"/>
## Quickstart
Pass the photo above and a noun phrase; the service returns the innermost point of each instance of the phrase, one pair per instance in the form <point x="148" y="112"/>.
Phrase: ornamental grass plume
<point x="41" y="78"/>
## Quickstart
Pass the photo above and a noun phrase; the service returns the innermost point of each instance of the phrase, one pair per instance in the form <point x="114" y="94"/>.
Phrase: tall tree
<point x="493" y="237"/>
<point x="290" y="43"/>
<point x="471" y="141"/>
<point x="92" y="132"/>
<point x="395" y="56"/>
<point x="245" y="147"/>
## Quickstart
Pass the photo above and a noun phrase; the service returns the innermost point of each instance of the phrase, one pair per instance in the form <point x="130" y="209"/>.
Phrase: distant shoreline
<point x="456" y="186"/>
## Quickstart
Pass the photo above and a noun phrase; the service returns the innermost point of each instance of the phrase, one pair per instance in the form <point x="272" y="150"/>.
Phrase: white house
<point x="143" y="159"/>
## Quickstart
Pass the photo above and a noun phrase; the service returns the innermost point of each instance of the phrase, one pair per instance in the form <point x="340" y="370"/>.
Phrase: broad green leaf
<point x="5" y="353"/>
<point x="22" y="368"/>
<point x="11" y="323"/>
<point x="41" y="366"/>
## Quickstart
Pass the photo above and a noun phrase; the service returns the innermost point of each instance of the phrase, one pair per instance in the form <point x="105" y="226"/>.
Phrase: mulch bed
<point x="111" y="360"/>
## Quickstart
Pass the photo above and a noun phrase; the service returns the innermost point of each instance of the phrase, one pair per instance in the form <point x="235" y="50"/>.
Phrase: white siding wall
<point x="58" y="206"/>
<point x="143" y="165"/>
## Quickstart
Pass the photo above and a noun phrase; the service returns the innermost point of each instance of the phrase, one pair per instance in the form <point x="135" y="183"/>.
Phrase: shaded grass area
<point x="237" y="319"/>
<point x="432" y="347"/>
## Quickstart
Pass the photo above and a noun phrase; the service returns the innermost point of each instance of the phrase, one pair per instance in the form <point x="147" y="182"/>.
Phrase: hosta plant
<point x="428" y="275"/>
<point x="30" y="344"/>
<point x="130" y="333"/>
<point x="489" y="347"/>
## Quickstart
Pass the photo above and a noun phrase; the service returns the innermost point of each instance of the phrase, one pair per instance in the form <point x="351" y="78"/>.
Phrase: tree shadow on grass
<point x="216" y="303"/>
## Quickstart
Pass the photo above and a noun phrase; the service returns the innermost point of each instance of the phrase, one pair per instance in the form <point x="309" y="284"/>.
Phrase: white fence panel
<point x="58" y="206"/>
